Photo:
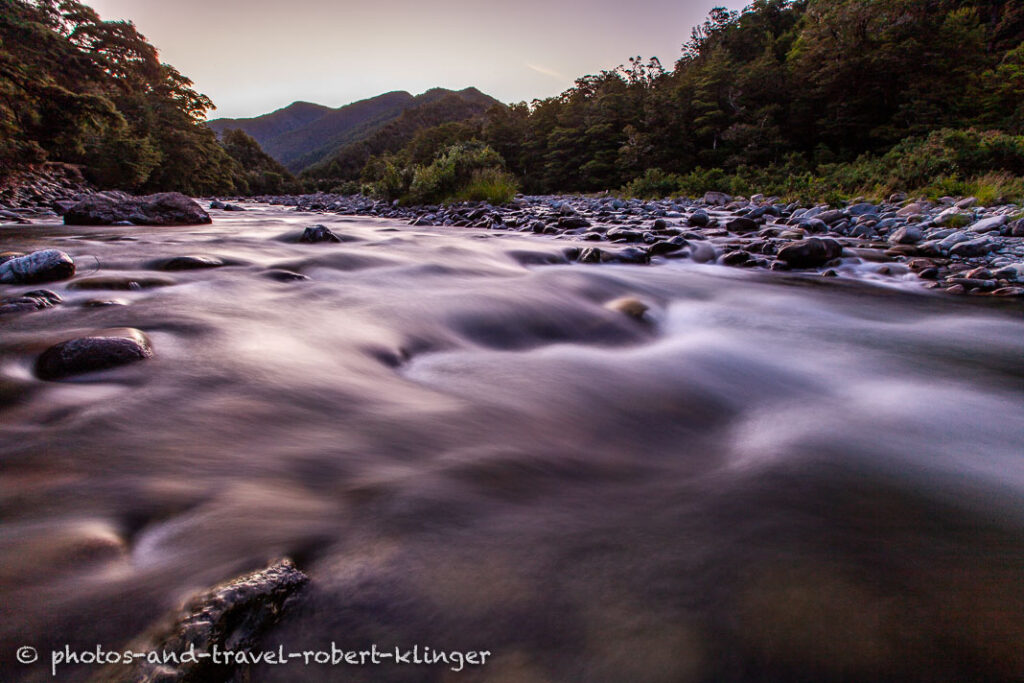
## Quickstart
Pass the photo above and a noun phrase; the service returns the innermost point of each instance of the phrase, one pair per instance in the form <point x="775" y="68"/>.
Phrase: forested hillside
<point x="303" y="134"/>
<point x="809" y="97"/>
<point x="80" y="90"/>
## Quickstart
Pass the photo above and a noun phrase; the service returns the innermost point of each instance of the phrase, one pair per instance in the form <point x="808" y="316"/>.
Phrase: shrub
<point x="491" y="185"/>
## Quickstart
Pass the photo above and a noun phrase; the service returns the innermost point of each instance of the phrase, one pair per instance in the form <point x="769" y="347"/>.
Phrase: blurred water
<point x="767" y="479"/>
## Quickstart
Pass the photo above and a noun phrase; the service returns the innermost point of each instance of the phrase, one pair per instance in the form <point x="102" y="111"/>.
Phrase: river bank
<point x="952" y="245"/>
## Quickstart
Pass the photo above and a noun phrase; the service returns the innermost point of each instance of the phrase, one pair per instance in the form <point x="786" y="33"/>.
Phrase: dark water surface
<point x="464" y="448"/>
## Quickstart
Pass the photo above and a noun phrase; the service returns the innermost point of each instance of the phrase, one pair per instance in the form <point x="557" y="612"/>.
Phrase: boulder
<point x="318" y="233"/>
<point x="88" y="354"/>
<point x="702" y="252"/>
<point x="572" y="222"/>
<point x="988" y="224"/>
<point x="698" y="219"/>
<point x="167" y="208"/>
<point x="978" y="247"/>
<point x="232" y="616"/>
<point x="741" y="225"/>
<point x="810" y="253"/>
<point x="29" y="301"/>
<point x="48" y="265"/>
<point x="716" y="198"/>
<point x="908" y="234"/>
<point x="190" y="262"/>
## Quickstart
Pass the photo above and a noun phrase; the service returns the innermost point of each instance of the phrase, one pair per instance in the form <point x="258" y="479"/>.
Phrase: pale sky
<point x="254" y="56"/>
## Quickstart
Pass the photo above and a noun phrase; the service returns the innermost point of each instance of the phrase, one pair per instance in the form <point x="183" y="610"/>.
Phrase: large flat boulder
<point x="167" y="208"/>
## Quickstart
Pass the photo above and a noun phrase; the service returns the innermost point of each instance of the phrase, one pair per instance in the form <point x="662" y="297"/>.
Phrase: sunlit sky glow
<point x="254" y="56"/>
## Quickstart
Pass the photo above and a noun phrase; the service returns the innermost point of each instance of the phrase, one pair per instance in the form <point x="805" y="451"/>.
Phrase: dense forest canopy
<point x="809" y="96"/>
<point x="76" y="89"/>
<point x="801" y="88"/>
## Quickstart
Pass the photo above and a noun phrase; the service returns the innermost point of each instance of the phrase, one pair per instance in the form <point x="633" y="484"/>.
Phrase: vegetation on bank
<point x="986" y="165"/>
<point x="459" y="172"/>
<point x="94" y="93"/>
<point x="811" y="99"/>
<point x="805" y="99"/>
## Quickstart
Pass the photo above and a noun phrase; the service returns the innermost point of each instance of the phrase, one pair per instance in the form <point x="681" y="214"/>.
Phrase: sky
<point x="254" y="56"/>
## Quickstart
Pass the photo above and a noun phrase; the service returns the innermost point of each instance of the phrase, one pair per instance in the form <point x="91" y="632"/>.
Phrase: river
<point x="766" y="478"/>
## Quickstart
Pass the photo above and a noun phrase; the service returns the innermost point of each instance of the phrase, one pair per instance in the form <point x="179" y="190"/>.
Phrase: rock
<point x="88" y="354"/>
<point x="735" y="258"/>
<point x="950" y="241"/>
<point x="966" y="203"/>
<point x="593" y="255"/>
<point x="632" y="255"/>
<point x="119" y="282"/>
<point x="191" y="262"/>
<point x="911" y="209"/>
<point x="573" y="222"/>
<point x="698" y="219"/>
<point x="862" y="209"/>
<point x="629" y="306"/>
<point x="977" y="247"/>
<point x="233" y="207"/>
<point x="29" y="301"/>
<point x="810" y="253"/>
<point x="48" y="265"/>
<point x="231" y="617"/>
<point x="716" y="198"/>
<point x="973" y="283"/>
<point x="662" y="248"/>
<point x="1013" y="272"/>
<point x="167" y="208"/>
<point x="988" y="224"/>
<point x="282" y="275"/>
<point x="702" y="252"/>
<point x="318" y="233"/>
<point x="1009" y="291"/>
<point x="908" y="234"/>
<point x="742" y="225"/>
<point x="624" y="235"/>
<point x="830" y="217"/>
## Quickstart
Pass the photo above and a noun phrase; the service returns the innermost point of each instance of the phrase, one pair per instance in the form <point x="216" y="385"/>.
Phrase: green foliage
<point x="988" y="165"/>
<point x="80" y="90"/>
<point x="469" y="171"/>
<point x="802" y="98"/>
<point x="491" y="185"/>
<point x="256" y="171"/>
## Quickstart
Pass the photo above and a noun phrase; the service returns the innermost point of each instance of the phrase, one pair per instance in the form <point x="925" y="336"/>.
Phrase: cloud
<point x="546" y="71"/>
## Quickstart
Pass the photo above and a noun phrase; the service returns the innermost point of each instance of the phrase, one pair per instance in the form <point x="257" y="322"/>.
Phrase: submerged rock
<point x="120" y="282"/>
<point x="48" y="265"/>
<point x="88" y="354"/>
<point x="318" y="233"/>
<point x="629" y="306"/>
<point x="29" y="301"/>
<point x="190" y="262"/>
<point x="232" y="616"/>
<point x="167" y="208"/>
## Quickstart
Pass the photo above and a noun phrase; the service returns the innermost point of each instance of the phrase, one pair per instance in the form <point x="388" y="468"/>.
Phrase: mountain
<point x="302" y="134"/>
<point x="430" y="109"/>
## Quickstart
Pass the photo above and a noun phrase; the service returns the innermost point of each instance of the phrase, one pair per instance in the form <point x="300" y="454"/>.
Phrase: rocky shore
<point x="952" y="245"/>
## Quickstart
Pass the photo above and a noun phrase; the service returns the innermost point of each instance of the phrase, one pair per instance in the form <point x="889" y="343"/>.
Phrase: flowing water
<point x="768" y="478"/>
